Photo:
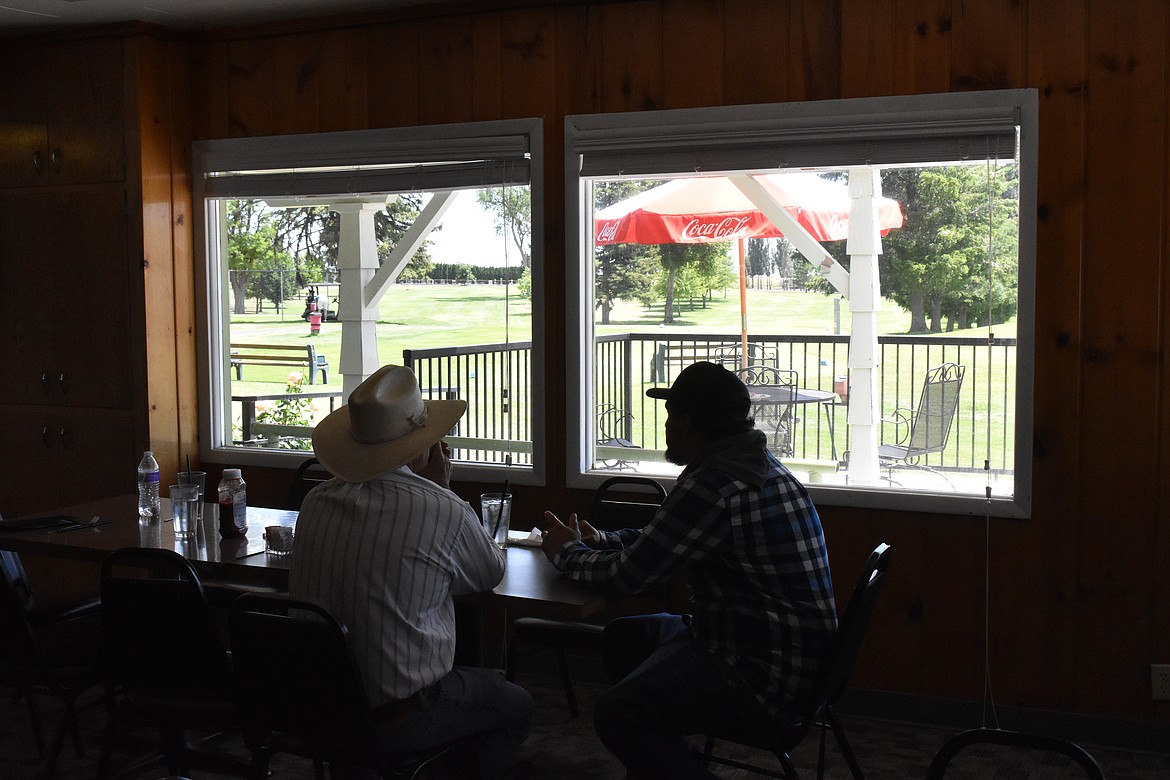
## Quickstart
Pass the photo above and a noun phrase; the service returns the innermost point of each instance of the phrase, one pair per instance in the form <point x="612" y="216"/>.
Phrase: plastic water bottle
<point x="149" y="506"/>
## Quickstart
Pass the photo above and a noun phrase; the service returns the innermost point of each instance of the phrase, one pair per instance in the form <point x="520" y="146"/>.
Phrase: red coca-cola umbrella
<point x="712" y="208"/>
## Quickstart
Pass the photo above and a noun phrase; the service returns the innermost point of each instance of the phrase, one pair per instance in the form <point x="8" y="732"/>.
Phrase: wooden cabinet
<point x="73" y="390"/>
<point x="56" y="456"/>
<point x="61" y="113"/>
<point x="63" y="257"/>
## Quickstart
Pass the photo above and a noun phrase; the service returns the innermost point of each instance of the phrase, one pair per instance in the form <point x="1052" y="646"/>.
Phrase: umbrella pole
<point x="743" y="344"/>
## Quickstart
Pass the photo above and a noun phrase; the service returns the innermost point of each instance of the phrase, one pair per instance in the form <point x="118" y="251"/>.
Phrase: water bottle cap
<point x="231" y="474"/>
<point x="148" y="452"/>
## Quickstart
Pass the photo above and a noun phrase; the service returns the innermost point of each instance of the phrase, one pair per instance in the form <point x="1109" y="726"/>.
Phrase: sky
<point x="468" y="236"/>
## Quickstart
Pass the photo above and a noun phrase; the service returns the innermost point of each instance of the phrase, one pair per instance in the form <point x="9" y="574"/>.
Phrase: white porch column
<point x="357" y="262"/>
<point x="864" y="247"/>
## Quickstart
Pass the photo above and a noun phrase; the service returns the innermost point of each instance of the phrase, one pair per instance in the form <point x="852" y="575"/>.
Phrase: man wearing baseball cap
<point x="386" y="546"/>
<point x="745" y="534"/>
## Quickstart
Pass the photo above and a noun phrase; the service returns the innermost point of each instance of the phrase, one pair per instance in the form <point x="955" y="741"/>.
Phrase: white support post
<point x="357" y="264"/>
<point x="864" y="247"/>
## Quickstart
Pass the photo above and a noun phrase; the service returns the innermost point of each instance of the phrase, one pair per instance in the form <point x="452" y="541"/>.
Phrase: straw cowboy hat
<point x="385" y="425"/>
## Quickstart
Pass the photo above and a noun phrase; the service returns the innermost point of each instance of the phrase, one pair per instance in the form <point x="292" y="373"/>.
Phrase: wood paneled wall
<point x="1080" y="593"/>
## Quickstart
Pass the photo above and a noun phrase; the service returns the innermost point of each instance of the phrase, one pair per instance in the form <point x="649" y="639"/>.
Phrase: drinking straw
<point x="503" y="496"/>
<point x="188" y="465"/>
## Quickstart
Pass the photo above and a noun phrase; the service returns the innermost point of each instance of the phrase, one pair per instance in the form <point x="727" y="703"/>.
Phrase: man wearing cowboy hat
<point x="386" y="546"/>
<point x="749" y="540"/>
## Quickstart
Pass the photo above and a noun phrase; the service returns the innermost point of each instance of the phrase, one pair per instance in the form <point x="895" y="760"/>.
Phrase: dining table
<point x="783" y="396"/>
<point x="530" y="586"/>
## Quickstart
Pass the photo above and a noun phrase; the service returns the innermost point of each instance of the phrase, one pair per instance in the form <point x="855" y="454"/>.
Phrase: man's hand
<point x="434" y="464"/>
<point x="554" y="533"/>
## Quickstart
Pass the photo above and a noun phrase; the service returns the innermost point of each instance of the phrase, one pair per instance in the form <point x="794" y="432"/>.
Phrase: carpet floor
<point x="561" y="748"/>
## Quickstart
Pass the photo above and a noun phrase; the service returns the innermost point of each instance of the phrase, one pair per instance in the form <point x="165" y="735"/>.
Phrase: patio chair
<point x="926" y="428"/>
<point x="614" y="428"/>
<point x="773" y="404"/>
<point x="758" y="355"/>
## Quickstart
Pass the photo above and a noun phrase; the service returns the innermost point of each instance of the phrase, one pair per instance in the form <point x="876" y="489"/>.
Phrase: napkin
<point x="525" y="538"/>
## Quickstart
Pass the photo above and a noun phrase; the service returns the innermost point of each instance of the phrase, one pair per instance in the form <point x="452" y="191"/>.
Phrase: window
<point x="865" y="265"/>
<point x="332" y="254"/>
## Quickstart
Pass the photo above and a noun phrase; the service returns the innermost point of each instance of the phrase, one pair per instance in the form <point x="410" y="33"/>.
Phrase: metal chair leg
<point x="566" y="681"/>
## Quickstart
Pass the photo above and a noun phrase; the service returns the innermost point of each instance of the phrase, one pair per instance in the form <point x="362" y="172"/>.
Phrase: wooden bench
<point x="305" y="355"/>
<point x="682" y="355"/>
<point x="679" y="356"/>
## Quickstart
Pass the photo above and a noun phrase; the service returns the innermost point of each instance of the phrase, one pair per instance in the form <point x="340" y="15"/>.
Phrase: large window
<point x="866" y="266"/>
<point x="330" y="255"/>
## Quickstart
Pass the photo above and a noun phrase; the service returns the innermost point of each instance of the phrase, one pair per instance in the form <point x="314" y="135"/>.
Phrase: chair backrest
<point x="302" y="483"/>
<point x="610" y="513"/>
<point x="614" y="426"/>
<point x="158" y="633"/>
<point x="768" y="375"/>
<point x="757" y="354"/>
<point x="933" y="417"/>
<point x="297" y="675"/>
<point x="852" y="625"/>
<point x="12" y="570"/>
<point x="18" y="645"/>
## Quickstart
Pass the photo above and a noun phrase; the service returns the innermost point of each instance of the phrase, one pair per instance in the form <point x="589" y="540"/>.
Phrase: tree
<point x="936" y="265"/>
<point x="621" y="271"/>
<point x="691" y="271"/>
<point x="511" y="210"/>
<point x="253" y="247"/>
<point x="759" y="259"/>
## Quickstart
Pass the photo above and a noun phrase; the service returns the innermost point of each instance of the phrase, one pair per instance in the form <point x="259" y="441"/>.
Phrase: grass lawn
<point x="425" y="316"/>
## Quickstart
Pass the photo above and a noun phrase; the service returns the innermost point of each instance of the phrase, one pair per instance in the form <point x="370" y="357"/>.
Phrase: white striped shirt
<point x="387" y="556"/>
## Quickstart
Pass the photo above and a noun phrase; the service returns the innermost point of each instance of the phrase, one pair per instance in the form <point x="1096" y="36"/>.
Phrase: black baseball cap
<point x="709" y="389"/>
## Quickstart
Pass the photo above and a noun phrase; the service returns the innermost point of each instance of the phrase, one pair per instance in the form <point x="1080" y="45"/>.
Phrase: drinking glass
<point x="496" y="512"/>
<point x="185" y="510"/>
<point x="198" y="478"/>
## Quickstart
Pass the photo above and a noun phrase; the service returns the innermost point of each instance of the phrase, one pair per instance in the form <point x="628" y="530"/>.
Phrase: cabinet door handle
<point x="38" y="162"/>
<point x="45" y="437"/>
<point x="55" y="160"/>
<point x="45" y="382"/>
<point x="62" y="436"/>
<point x="61" y="381"/>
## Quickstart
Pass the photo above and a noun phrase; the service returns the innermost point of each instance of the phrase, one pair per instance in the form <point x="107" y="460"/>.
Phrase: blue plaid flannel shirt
<point x="757" y="575"/>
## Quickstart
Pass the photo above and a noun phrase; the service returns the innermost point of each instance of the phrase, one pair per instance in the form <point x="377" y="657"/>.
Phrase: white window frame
<point x="461" y="156"/>
<point x="887" y="130"/>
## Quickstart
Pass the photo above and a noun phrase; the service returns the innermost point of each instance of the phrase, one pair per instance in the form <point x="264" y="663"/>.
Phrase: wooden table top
<point x="531" y="584"/>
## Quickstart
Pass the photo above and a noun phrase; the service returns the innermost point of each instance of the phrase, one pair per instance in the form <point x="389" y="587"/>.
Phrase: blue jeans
<point x="667" y="687"/>
<point x="469" y="702"/>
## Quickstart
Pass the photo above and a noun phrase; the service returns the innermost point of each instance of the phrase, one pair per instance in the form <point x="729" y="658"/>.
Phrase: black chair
<point x="300" y="690"/>
<point x="608" y="513"/>
<point x="614" y="429"/>
<point x="773" y="404"/>
<point x="165" y="663"/>
<point x="817" y="710"/>
<point x="304" y="480"/>
<point x="45" y="651"/>
<point x="1012" y="739"/>
<point x="926" y="428"/>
